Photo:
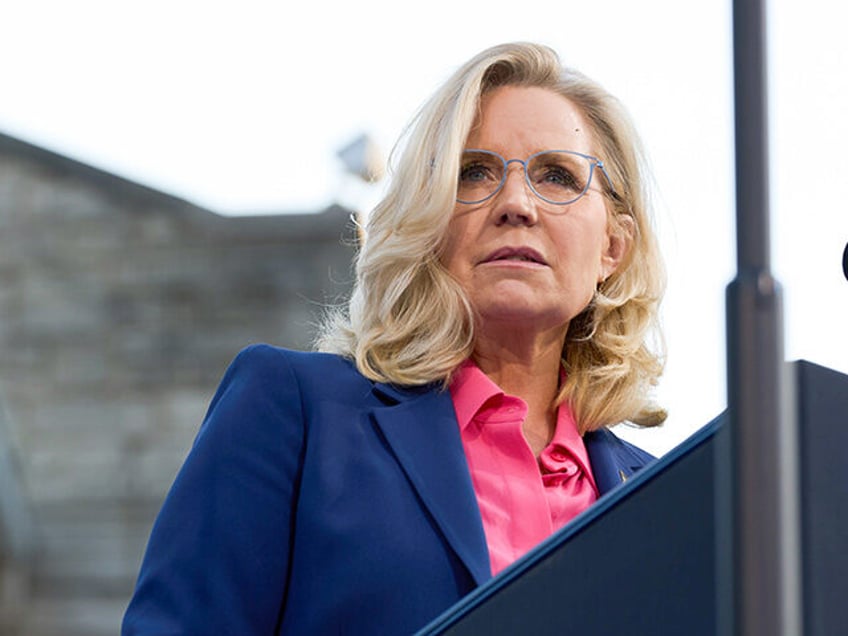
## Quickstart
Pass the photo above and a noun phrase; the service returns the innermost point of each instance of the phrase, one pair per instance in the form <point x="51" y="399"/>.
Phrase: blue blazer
<point x="315" y="501"/>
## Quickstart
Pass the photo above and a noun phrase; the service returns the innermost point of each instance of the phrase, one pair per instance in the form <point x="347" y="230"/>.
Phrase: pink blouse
<point x="522" y="499"/>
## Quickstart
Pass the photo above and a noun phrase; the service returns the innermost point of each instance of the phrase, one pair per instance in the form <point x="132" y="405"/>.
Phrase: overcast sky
<point x="241" y="107"/>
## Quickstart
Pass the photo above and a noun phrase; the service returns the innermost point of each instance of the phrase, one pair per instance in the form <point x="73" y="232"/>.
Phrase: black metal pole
<point x="759" y="588"/>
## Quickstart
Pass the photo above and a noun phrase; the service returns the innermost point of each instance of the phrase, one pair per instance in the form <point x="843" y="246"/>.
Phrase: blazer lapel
<point x="420" y="426"/>
<point x="610" y="467"/>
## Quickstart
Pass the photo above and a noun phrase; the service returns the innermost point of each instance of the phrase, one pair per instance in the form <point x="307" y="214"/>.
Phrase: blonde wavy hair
<point x="409" y="322"/>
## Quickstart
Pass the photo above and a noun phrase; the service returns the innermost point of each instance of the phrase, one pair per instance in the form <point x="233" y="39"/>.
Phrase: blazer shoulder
<point x="639" y="455"/>
<point x="269" y="356"/>
<point x="613" y="459"/>
<point x="313" y="372"/>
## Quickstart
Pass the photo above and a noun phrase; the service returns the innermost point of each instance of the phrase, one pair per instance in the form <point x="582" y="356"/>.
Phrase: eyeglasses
<point x="559" y="177"/>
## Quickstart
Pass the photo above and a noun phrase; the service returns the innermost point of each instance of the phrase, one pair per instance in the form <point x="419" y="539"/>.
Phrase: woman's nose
<point x="515" y="204"/>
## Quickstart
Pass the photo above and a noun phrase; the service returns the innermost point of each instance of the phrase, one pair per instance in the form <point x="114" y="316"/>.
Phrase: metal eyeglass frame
<point x="593" y="162"/>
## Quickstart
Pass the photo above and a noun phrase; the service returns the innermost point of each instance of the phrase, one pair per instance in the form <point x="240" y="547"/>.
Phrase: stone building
<point x="120" y="308"/>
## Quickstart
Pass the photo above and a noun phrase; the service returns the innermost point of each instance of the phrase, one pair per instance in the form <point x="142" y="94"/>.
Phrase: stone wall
<point x="120" y="308"/>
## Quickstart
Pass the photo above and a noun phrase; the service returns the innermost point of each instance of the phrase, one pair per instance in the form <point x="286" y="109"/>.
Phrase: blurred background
<point x="177" y="181"/>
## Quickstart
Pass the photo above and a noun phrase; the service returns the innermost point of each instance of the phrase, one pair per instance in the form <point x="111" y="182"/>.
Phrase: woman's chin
<point x="524" y="316"/>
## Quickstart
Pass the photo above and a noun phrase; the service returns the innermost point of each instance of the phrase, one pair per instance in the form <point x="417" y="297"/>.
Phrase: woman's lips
<point x="515" y="254"/>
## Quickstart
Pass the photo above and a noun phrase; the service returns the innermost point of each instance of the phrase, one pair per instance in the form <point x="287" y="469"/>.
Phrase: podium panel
<point x="823" y="420"/>
<point x="643" y="559"/>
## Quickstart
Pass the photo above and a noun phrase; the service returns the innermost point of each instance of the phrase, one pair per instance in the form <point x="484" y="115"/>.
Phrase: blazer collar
<point x="610" y="465"/>
<point x="420" y="426"/>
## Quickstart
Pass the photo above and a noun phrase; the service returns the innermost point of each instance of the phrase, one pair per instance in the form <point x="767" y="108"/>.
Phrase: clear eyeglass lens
<point x="558" y="177"/>
<point x="480" y="175"/>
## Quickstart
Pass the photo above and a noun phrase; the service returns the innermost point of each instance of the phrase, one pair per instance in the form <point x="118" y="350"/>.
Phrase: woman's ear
<point x="619" y="241"/>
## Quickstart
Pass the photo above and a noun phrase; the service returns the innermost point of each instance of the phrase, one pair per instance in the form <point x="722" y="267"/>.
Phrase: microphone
<point x="845" y="261"/>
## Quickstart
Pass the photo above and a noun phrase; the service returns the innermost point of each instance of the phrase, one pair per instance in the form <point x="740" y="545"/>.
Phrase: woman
<point x="506" y="288"/>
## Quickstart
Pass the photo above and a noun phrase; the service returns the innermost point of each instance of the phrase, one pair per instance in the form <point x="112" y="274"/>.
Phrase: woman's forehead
<point x="529" y="119"/>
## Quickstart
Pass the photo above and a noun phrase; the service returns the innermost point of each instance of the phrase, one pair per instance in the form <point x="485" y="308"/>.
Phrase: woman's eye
<point x="475" y="172"/>
<point x="559" y="176"/>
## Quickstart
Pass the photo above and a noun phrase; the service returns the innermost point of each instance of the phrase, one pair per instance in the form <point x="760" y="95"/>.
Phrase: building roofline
<point x="307" y="223"/>
<point x="65" y="166"/>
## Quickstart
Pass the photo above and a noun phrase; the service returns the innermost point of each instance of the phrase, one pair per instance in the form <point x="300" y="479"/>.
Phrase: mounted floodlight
<point x="362" y="157"/>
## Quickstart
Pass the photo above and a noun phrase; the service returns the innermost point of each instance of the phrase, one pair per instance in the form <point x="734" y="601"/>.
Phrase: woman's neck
<point x="526" y="366"/>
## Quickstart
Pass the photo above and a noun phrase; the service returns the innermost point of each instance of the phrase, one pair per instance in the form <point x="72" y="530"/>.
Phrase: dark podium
<point x="643" y="559"/>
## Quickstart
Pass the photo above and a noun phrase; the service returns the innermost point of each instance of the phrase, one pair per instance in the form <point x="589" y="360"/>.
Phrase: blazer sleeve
<point x="219" y="552"/>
